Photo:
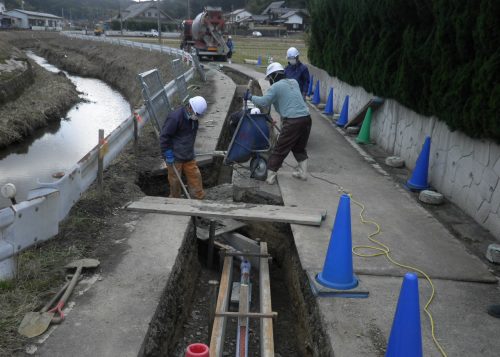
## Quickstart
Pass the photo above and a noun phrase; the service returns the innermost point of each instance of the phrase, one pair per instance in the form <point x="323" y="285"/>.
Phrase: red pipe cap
<point x="197" y="350"/>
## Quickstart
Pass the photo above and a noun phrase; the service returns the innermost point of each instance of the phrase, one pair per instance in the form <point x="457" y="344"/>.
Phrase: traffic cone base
<point x="418" y="180"/>
<point x="318" y="289"/>
<point x="345" y="286"/>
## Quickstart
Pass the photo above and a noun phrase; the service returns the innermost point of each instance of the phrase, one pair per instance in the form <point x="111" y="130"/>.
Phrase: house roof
<point x="289" y="13"/>
<point x="273" y="5"/>
<point x="138" y="8"/>
<point x="37" y="14"/>
<point x="236" y="12"/>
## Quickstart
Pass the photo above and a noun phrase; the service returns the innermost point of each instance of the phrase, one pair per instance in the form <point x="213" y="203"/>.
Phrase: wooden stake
<point x="100" y="161"/>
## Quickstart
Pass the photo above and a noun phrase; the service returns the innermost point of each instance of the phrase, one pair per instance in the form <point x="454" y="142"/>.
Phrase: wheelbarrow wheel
<point x="258" y="168"/>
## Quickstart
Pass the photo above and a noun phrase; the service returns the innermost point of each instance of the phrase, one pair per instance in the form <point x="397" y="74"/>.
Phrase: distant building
<point x="33" y="20"/>
<point x="2" y="7"/>
<point x="146" y="11"/>
<point x="294" y="20"/>
<point x="238" y="15"/>
<point x="273" y="6"/>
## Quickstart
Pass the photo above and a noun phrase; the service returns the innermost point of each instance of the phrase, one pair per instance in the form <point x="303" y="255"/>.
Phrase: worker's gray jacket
<point x="286" y="97"/>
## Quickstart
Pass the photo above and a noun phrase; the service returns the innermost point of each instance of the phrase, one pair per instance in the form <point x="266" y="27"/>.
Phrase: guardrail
<point x="37" y="219"/>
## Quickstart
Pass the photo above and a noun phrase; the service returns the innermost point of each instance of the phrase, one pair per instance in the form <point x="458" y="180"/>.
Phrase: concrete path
<point x="111" y="314"/>
<point x="360" y="327"/>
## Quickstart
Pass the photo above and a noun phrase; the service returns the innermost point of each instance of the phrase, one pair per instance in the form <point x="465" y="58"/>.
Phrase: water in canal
<point x="60" y="146"/>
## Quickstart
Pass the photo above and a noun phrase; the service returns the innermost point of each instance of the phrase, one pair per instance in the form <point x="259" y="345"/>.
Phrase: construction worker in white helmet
<point x="177" y="146"/>
<point x="297" y="70"/>
<point x="287" y="99"/>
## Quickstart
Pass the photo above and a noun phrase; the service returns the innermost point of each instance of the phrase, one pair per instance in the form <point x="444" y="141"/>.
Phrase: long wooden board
<point x="219" y="326"/>
<point x="241" y="211"/>
<point x="374" y="103"/>
<point x="266" y="324"/>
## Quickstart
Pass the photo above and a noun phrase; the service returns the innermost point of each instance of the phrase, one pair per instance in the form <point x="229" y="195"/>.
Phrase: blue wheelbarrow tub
<point x="251" y="136"/>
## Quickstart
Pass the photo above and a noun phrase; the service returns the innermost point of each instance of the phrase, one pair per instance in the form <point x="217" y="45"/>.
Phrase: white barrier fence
<point x="37" y="219"/>
<point x="126" y="33"/>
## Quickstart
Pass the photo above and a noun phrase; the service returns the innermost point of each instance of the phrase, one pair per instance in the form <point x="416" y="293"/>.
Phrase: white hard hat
<point x="229" y="37"/>
<point x="255" y="111"/>
<point x="292" y="52"/>
<point x="198" y="104"/>
<point x="274" y="67"/>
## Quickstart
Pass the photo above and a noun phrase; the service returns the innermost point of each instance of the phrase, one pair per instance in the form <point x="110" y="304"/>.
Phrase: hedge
<point x="437" y="57"/>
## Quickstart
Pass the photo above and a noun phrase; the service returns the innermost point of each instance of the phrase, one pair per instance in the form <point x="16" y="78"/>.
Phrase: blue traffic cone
<point x="344" y="114"/>
<point x="329" y="103"/>
<point x="259" y="61"/>
<point x="310" y="89"/>
<point x="418" y="179"/>
<point x="316" y="98"/>
<point x="337" y="270"/>
<point x="406" y="335"/>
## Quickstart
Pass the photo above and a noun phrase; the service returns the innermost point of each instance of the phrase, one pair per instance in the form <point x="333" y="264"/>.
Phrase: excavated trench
<point x="182" y="316"/>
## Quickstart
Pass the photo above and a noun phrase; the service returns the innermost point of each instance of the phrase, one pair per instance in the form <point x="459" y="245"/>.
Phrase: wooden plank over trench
<point x="242" y="211"/>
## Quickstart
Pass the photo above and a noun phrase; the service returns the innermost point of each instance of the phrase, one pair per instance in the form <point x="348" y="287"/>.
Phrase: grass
<point x="252" y="48"/>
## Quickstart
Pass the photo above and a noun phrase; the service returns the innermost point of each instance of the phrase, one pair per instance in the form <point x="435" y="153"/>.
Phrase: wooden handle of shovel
<point x="58" y="308"/>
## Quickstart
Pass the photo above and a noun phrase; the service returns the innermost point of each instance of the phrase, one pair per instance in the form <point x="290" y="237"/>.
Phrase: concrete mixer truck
<point x="205" y="34"/>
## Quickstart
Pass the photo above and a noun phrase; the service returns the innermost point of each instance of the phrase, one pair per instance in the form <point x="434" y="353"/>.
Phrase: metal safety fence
<point x="37" y="219"/>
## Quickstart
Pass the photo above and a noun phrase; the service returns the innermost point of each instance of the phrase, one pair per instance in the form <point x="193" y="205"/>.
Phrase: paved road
<point x="360" y="327"/>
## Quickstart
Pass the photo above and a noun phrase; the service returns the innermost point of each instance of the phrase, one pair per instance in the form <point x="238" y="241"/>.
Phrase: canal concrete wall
<point x="465" y="170"/>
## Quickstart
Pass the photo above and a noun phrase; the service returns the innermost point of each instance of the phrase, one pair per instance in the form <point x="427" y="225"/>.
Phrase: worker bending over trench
<point x="177" y="145"/>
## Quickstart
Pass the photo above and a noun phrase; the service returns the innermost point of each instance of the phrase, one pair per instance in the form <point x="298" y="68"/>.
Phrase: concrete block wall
<point x="465" y="170"/>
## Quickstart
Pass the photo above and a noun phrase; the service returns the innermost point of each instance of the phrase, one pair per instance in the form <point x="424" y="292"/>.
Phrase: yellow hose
<point x="383" y="250"/>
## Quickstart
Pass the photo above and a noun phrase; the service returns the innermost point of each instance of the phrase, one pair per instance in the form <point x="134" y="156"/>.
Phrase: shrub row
<point x="437" y="57"/>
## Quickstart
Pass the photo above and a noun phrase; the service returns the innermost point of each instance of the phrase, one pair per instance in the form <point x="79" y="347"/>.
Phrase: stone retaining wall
<point x="465" y="170"/>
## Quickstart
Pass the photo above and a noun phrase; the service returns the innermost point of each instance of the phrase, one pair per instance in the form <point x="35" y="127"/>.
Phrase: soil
<point x="51" y="96"/>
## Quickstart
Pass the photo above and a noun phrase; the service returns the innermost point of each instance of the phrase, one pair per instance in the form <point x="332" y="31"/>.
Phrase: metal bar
<point x="239" y="254"/>
<point x="212" y="295"/>
<point x="266" y="324"/>
<point x="100" y="161"/>
<point x="251" y="315"/>
<point x="211" y="239"/>
<point x="219" y="326"/>
<point x="242" y="332"/>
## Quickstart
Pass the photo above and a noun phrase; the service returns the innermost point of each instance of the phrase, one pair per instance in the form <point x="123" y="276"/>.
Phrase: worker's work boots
<point x="301" y="171"/>
<point x="271" y="177"/>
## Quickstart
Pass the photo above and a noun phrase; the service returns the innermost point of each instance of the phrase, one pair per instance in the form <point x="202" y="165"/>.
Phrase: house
<point x="145" y="11"/>
<point x="294" y="20"/>
<point x="34" y="20"/>
<point x="238" y="15"/>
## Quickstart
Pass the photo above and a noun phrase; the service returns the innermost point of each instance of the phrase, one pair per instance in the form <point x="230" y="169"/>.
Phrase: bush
<point x="437" y="57"/>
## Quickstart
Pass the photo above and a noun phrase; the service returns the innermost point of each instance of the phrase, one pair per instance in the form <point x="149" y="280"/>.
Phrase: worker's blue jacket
<point x="230" y="45"/>
<point x="178" y="134"/>
<point x="300" y="73"/>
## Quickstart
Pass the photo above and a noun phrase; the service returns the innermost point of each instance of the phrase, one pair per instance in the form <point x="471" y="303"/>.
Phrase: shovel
<point x="79" y="265"/>
<point x="36" y="323"/>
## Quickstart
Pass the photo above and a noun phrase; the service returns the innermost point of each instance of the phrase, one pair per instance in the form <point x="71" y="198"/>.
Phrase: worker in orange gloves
<point x="177" y="145"/>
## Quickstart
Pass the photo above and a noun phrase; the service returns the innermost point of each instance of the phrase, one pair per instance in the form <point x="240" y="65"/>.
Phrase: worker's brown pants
<point x="293" y="137"/>
<point x="193" y="176"/>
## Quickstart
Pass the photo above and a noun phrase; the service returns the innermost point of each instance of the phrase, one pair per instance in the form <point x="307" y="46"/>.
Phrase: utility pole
<point x="159" y="20"/>
<point x="120" y="16"/>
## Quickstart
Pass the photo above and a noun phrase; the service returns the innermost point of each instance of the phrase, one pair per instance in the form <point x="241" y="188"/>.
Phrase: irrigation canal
<point x="58" y="147"/>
